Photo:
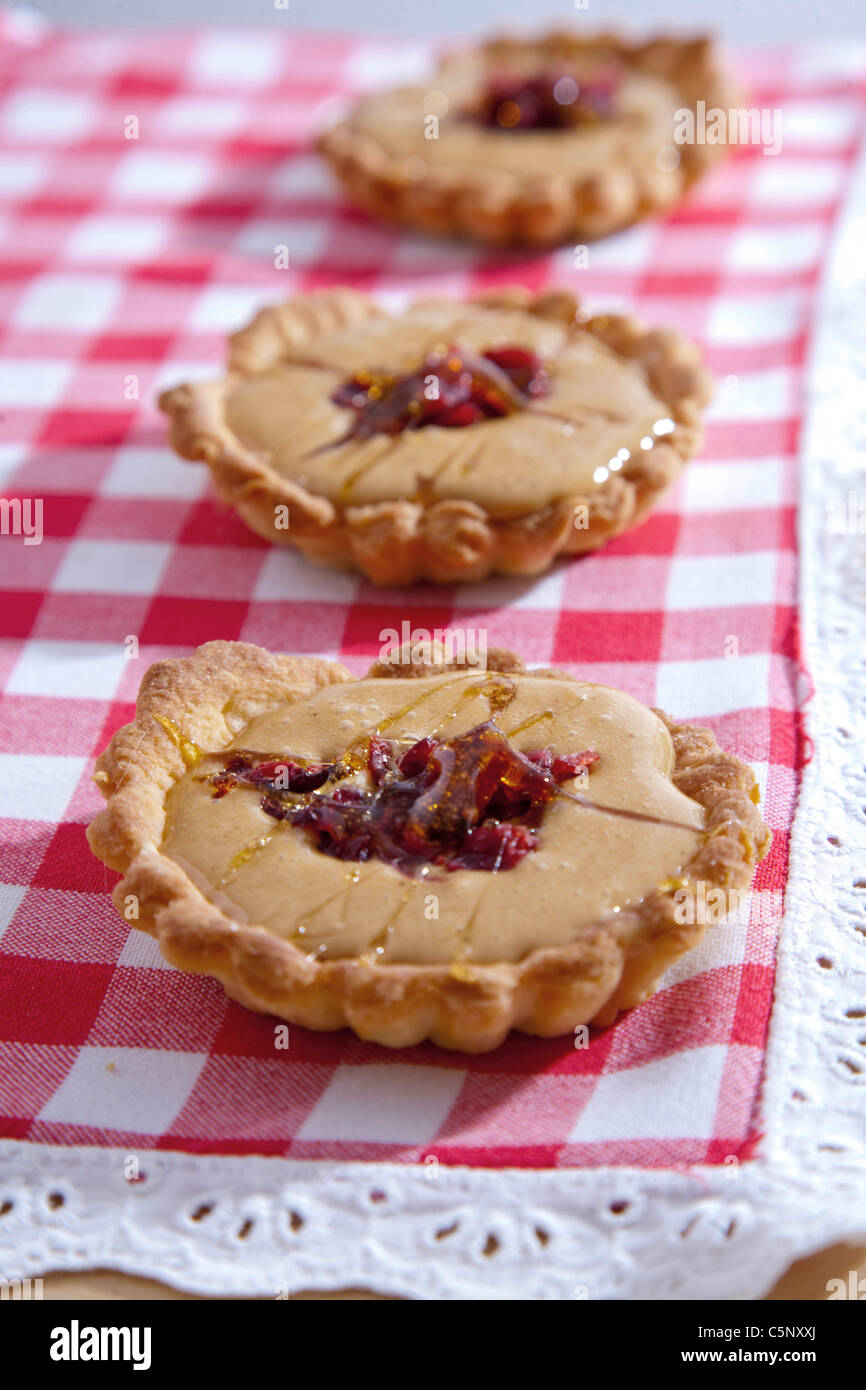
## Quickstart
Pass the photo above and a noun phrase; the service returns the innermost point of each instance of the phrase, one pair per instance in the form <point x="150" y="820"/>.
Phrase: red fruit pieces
<point x="548" y="100"/>
<point x="378" y="759"/>
<point x="451" y="389"/>
<point x="570" y="764"/>
<point x="494" y="847"/>
<point x="469" y="802"/>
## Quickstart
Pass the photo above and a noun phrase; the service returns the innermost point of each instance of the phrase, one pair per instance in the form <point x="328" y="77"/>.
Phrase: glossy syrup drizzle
<point x="499" y="690"/>
<point x="189" y="751"/>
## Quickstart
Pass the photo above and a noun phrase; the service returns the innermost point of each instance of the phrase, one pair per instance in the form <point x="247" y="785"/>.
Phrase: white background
<point x="741" y="21"/>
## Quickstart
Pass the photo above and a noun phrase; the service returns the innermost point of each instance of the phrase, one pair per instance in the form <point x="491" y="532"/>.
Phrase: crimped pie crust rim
<point x="505" y="208"/>
<point x="450" y="540"/>
<point x="215" y="692"/>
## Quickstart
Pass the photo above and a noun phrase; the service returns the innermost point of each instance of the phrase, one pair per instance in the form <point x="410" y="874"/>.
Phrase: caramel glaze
<point x="600" y="862"/>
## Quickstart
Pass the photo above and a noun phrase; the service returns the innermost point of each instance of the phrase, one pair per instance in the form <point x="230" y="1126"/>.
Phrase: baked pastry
<point x="427" y="852"/>
<point x="449" y="441"/>
<point x="534" y="141"/>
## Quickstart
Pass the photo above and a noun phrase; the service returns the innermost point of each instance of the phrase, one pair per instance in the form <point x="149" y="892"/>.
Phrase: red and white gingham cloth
<point x="123" y="263"/>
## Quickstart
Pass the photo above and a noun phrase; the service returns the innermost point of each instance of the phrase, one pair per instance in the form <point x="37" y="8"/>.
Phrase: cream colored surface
<point x="599" y="404"/>
<point x="644" y="121"/>
<point x="806" y="1280"/>
<point x="587" y="864"/>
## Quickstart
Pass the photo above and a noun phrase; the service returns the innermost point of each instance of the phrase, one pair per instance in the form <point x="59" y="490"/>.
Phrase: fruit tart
<point x="534" y="140"/>
<point x="429" y="851"/>
<point x="449" y="441"/>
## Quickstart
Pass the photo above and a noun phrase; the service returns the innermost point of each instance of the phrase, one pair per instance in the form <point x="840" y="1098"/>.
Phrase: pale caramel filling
<point x="600" y="409"/>
<point x="588" y="865"/>
<point x="397" y="121"/>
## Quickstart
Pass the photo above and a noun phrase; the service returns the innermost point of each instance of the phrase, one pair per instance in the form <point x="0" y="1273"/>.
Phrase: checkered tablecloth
<point x="148" y="181"/>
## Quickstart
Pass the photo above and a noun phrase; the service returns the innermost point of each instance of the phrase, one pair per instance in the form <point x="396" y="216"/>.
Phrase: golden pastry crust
<point x="207" y="699"/>
<point x="530" y="208"/>
<point x="449" y="540"/>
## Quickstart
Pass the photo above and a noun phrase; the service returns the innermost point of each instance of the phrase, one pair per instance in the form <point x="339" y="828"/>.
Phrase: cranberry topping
<point x="273" y="775"/>
<point x="566" y="766"/>
<point x="451" y="388"/>
<point x="470" y="802"/>
<point x="550" y="100"/>
<point x="379" y="759"/>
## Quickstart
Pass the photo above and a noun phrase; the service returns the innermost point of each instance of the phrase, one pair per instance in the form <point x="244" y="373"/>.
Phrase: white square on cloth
<point x="391" y="1103"/>
<point x="42" y="113"/>
<point x="672" y="1098"/>
<point x="37" y="786"/>
<point x="33" y="381"/>
<point x="117" y="237"/>
<point x="305" y="238"/>
<point x="143" y="1093"/>
<point x="111" y="567"/>
<point x="165" y="176"/>
<point x="795" y="182"/>
<point x="11" y="897"/>
<point x="724" y="487"/>
<point x="721" y="685"/>
<point x="68" y="302"/>
<point x="223" y="308"/>
<point x="819" y="121"/>
<point x="68" y="670"/>
<point x="767" y="395"/>
<point x="705" y="581"/>
<point x="743" y="320"/>
<point x="200" y="117"/>
<point x="140" y="472"/>
<point x="775" y="250"/>
<point x="22" y="172"/>
<point x="235" y="59"/>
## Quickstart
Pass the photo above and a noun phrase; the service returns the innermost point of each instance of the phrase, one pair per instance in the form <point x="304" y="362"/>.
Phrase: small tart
<point x="449" y="441"/>
<point x="427" y="852"/>
<point x="534" y="141"/>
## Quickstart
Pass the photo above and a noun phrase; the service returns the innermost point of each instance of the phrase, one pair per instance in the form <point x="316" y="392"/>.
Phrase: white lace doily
<point x="270" y="1225"/>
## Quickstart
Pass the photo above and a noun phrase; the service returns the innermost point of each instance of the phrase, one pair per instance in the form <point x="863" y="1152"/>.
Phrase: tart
<point x="427" y="852"/>
<point x="446" y="442"/>
<point x="534" y="141"/>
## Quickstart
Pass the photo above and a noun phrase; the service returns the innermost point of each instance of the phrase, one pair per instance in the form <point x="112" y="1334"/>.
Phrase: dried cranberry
<point x="469" y="802"/>
<point x="276" y="775"/>
<point x="416" y="757"/>
<point x="451" y="389"/>
<point x="563" y="766"/>
<point x="570" y="764"/>
<point x="458" y="416"/>
<point x="307" y="779"/>
<point x="379" y="759"/>
<point x="274" y="771"/>
<point x="344" y="794"/>
<point x="239" y="762"/>
<point x="494" y="847"/>
<point x="512" y="359"/>
<point x="551" y="100"/>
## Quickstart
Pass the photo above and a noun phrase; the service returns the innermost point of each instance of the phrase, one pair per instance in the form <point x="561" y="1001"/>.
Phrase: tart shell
<point x="399" y="542"/>
<point x="490" y="207"/>
<point x="615" y="964"/>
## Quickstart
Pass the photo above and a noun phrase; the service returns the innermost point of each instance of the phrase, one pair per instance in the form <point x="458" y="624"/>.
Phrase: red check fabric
<point x="149" y="182"/>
